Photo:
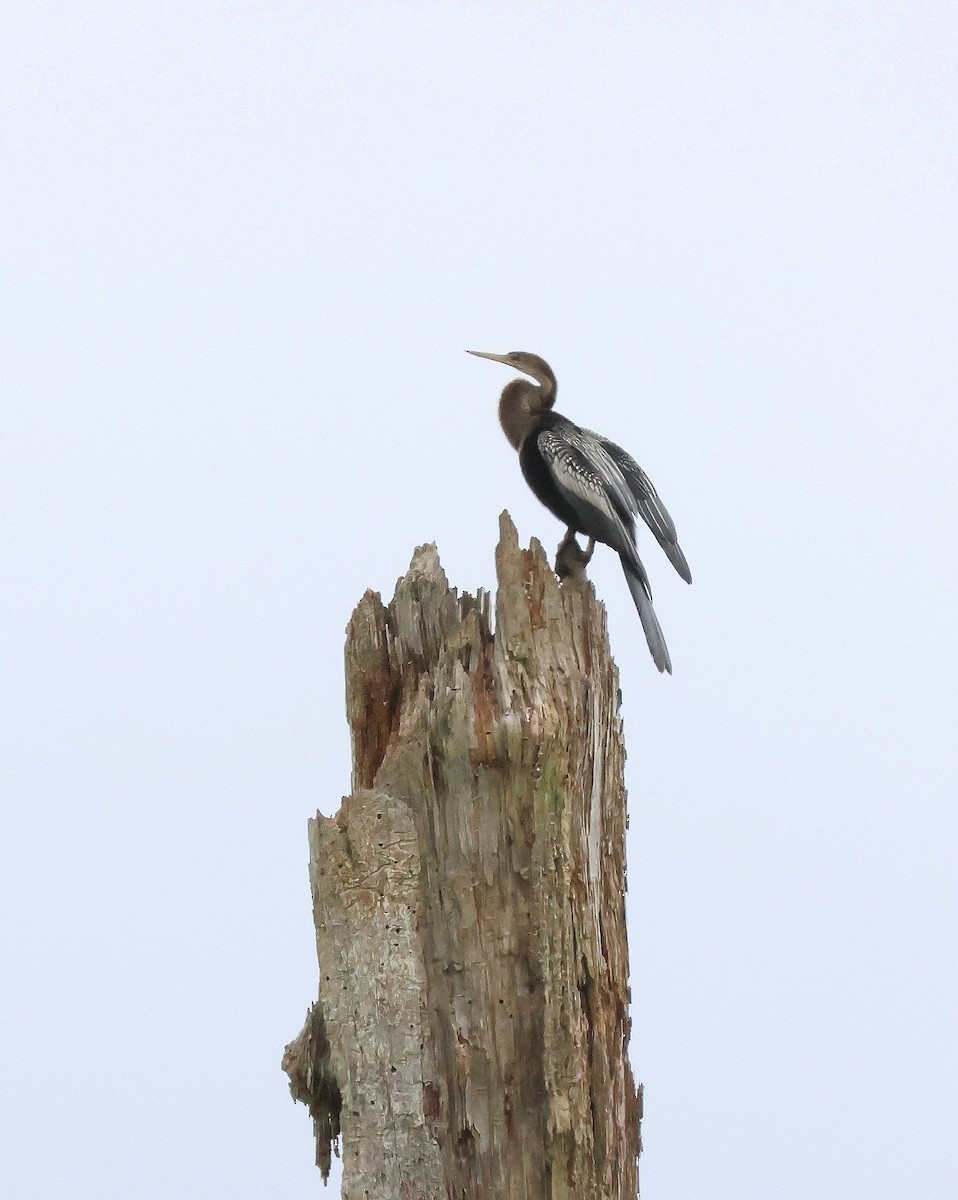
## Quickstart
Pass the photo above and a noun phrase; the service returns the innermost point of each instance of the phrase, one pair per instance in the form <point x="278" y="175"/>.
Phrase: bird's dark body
<point x="540" y="479"/>
<point x="592" y="485"/>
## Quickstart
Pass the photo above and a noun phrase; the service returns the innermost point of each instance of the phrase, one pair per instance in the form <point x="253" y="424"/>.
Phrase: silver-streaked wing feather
<point x="595" y="452"/>
<point x="648" y="504"/>
<point x="592" y="484"/>
<point x="585" y="487"/>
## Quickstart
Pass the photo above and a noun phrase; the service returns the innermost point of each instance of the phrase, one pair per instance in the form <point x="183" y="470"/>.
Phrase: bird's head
<point x="529" y="364"/>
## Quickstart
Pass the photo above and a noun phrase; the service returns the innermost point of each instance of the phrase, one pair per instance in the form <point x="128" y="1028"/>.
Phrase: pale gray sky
<point x="246" y="246"/>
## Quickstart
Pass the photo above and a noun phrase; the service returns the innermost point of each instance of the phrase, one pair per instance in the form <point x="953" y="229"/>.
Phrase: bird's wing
<point x="591" y="483"/>
<point x="647" y="504"/>
<point x="594" y="486"/>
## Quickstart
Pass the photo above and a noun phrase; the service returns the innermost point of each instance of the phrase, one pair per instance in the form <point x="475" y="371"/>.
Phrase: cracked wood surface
<point x="470" y="1037"/>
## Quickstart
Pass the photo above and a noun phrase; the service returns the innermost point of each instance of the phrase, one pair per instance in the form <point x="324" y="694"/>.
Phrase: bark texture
<point x="471" y="1032"/>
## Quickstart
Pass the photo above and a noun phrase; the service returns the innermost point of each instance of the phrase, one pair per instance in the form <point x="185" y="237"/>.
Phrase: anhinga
<point x="588" y="482"/>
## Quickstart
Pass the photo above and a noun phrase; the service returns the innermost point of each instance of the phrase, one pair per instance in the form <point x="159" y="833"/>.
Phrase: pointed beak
<point x="500" y="358"/>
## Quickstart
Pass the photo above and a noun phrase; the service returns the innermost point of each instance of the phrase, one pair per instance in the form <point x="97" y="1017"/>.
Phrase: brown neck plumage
<point x="521" y="403"/>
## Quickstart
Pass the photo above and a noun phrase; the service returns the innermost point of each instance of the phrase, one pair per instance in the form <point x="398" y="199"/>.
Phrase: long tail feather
<point x="650" y="622"/>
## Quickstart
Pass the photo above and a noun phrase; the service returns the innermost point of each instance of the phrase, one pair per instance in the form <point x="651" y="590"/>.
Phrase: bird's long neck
<point x="521" y="404"/>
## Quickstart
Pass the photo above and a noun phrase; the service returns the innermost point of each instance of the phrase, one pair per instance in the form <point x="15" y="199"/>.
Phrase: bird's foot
<point x="571" y="559"/>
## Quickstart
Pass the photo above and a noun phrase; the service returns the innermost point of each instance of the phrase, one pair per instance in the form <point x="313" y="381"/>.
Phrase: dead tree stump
<point x="470" y="1037"/>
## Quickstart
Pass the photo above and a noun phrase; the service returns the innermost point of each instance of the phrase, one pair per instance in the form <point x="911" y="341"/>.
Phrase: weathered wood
<point x="469" y="900"/>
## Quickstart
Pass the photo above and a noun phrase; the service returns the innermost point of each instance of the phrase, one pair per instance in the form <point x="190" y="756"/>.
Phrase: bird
<point x="592" y="485"/>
